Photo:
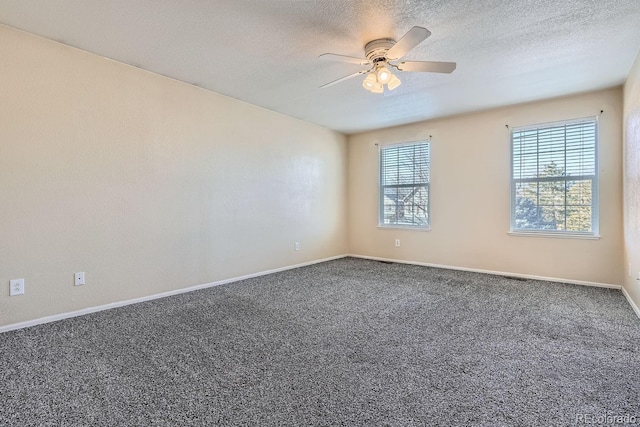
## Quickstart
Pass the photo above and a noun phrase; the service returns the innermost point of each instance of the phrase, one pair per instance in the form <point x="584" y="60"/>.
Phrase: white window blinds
<point x="554" y="178"/>
<point x="404" y="185"/>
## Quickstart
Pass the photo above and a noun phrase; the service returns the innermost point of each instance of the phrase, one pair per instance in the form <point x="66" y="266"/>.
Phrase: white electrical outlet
<point x="16" y="287"/>
<point x="397" y="243"/>
<point x="297" y="246"/>
<point x="79" y="279"/>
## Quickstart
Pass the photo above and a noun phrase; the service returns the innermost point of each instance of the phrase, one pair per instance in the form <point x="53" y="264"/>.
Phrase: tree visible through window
<point x="404" y="185"/>
<point x="554" y="178"/>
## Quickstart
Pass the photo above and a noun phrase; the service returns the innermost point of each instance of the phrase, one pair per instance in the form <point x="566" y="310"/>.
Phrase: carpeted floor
<point x="346" y="342"/>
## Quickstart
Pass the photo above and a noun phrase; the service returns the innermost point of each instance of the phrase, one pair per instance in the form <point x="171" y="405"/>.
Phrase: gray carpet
<point x="346" y="342"/>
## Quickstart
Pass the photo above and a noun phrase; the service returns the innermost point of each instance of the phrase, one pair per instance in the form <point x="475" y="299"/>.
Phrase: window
<point x="404" y="185"/>
<point x="554" y="181"/>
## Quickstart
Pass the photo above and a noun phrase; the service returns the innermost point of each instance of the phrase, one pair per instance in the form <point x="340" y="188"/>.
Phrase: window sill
<point x="403" y="227"/>
<point x="554" y="235"/>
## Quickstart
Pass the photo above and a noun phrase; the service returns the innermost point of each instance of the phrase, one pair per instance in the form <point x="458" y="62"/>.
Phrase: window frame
<point x="595" y="186"/>
<point x="381" y="223"/>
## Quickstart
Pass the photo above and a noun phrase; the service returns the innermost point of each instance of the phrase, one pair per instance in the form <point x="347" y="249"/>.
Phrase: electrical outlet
<point x="297" y="246"/>
<point x="79" y="279"/>
<point x="397" y="243"/>
<point x="16" y="287"/>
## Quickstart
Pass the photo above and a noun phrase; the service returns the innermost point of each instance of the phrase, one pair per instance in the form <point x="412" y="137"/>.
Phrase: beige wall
<point x="632" y="183"/>
<point x="148" y="184"/>
<point x="470" y="187"/>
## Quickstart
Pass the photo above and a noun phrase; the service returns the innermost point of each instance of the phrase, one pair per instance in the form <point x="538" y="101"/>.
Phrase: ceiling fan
<point x="382" y="55"/>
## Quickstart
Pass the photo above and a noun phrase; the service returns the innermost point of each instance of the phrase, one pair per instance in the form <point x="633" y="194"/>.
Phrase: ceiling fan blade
<point x="344" y="78"/>
<point x="413" y="38"/>
<point x="427" y="66"/>
<point x="343" y="58"/>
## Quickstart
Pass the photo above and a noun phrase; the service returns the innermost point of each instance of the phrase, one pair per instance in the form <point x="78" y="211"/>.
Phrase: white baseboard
<point x="631" y="302"/>
<point x="88" y="310"/>
<point x="498" y="273"/>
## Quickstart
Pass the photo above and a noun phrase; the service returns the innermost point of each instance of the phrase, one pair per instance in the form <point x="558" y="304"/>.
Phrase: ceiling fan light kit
<point x="375" y="82"/>
<point x="380" y="55"/>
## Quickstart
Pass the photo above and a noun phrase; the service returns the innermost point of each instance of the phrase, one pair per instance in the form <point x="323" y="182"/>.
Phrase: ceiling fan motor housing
<point x="376" y="50"/>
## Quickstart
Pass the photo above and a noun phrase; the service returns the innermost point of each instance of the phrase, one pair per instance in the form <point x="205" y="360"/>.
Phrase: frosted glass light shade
<point x="394" y="82"/>
<point x="377" y="88"/>
<point x="370" y="82"/>
<point x="383" y="74"/>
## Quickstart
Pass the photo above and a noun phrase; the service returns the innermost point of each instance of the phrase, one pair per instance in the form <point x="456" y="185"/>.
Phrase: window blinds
<point x="404" y="185"/>
<point x="561" y="150"/>
<point x="554" y="177"/>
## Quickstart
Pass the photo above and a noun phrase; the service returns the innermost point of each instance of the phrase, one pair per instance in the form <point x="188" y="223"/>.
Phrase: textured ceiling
<point x="265" y="52"/>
